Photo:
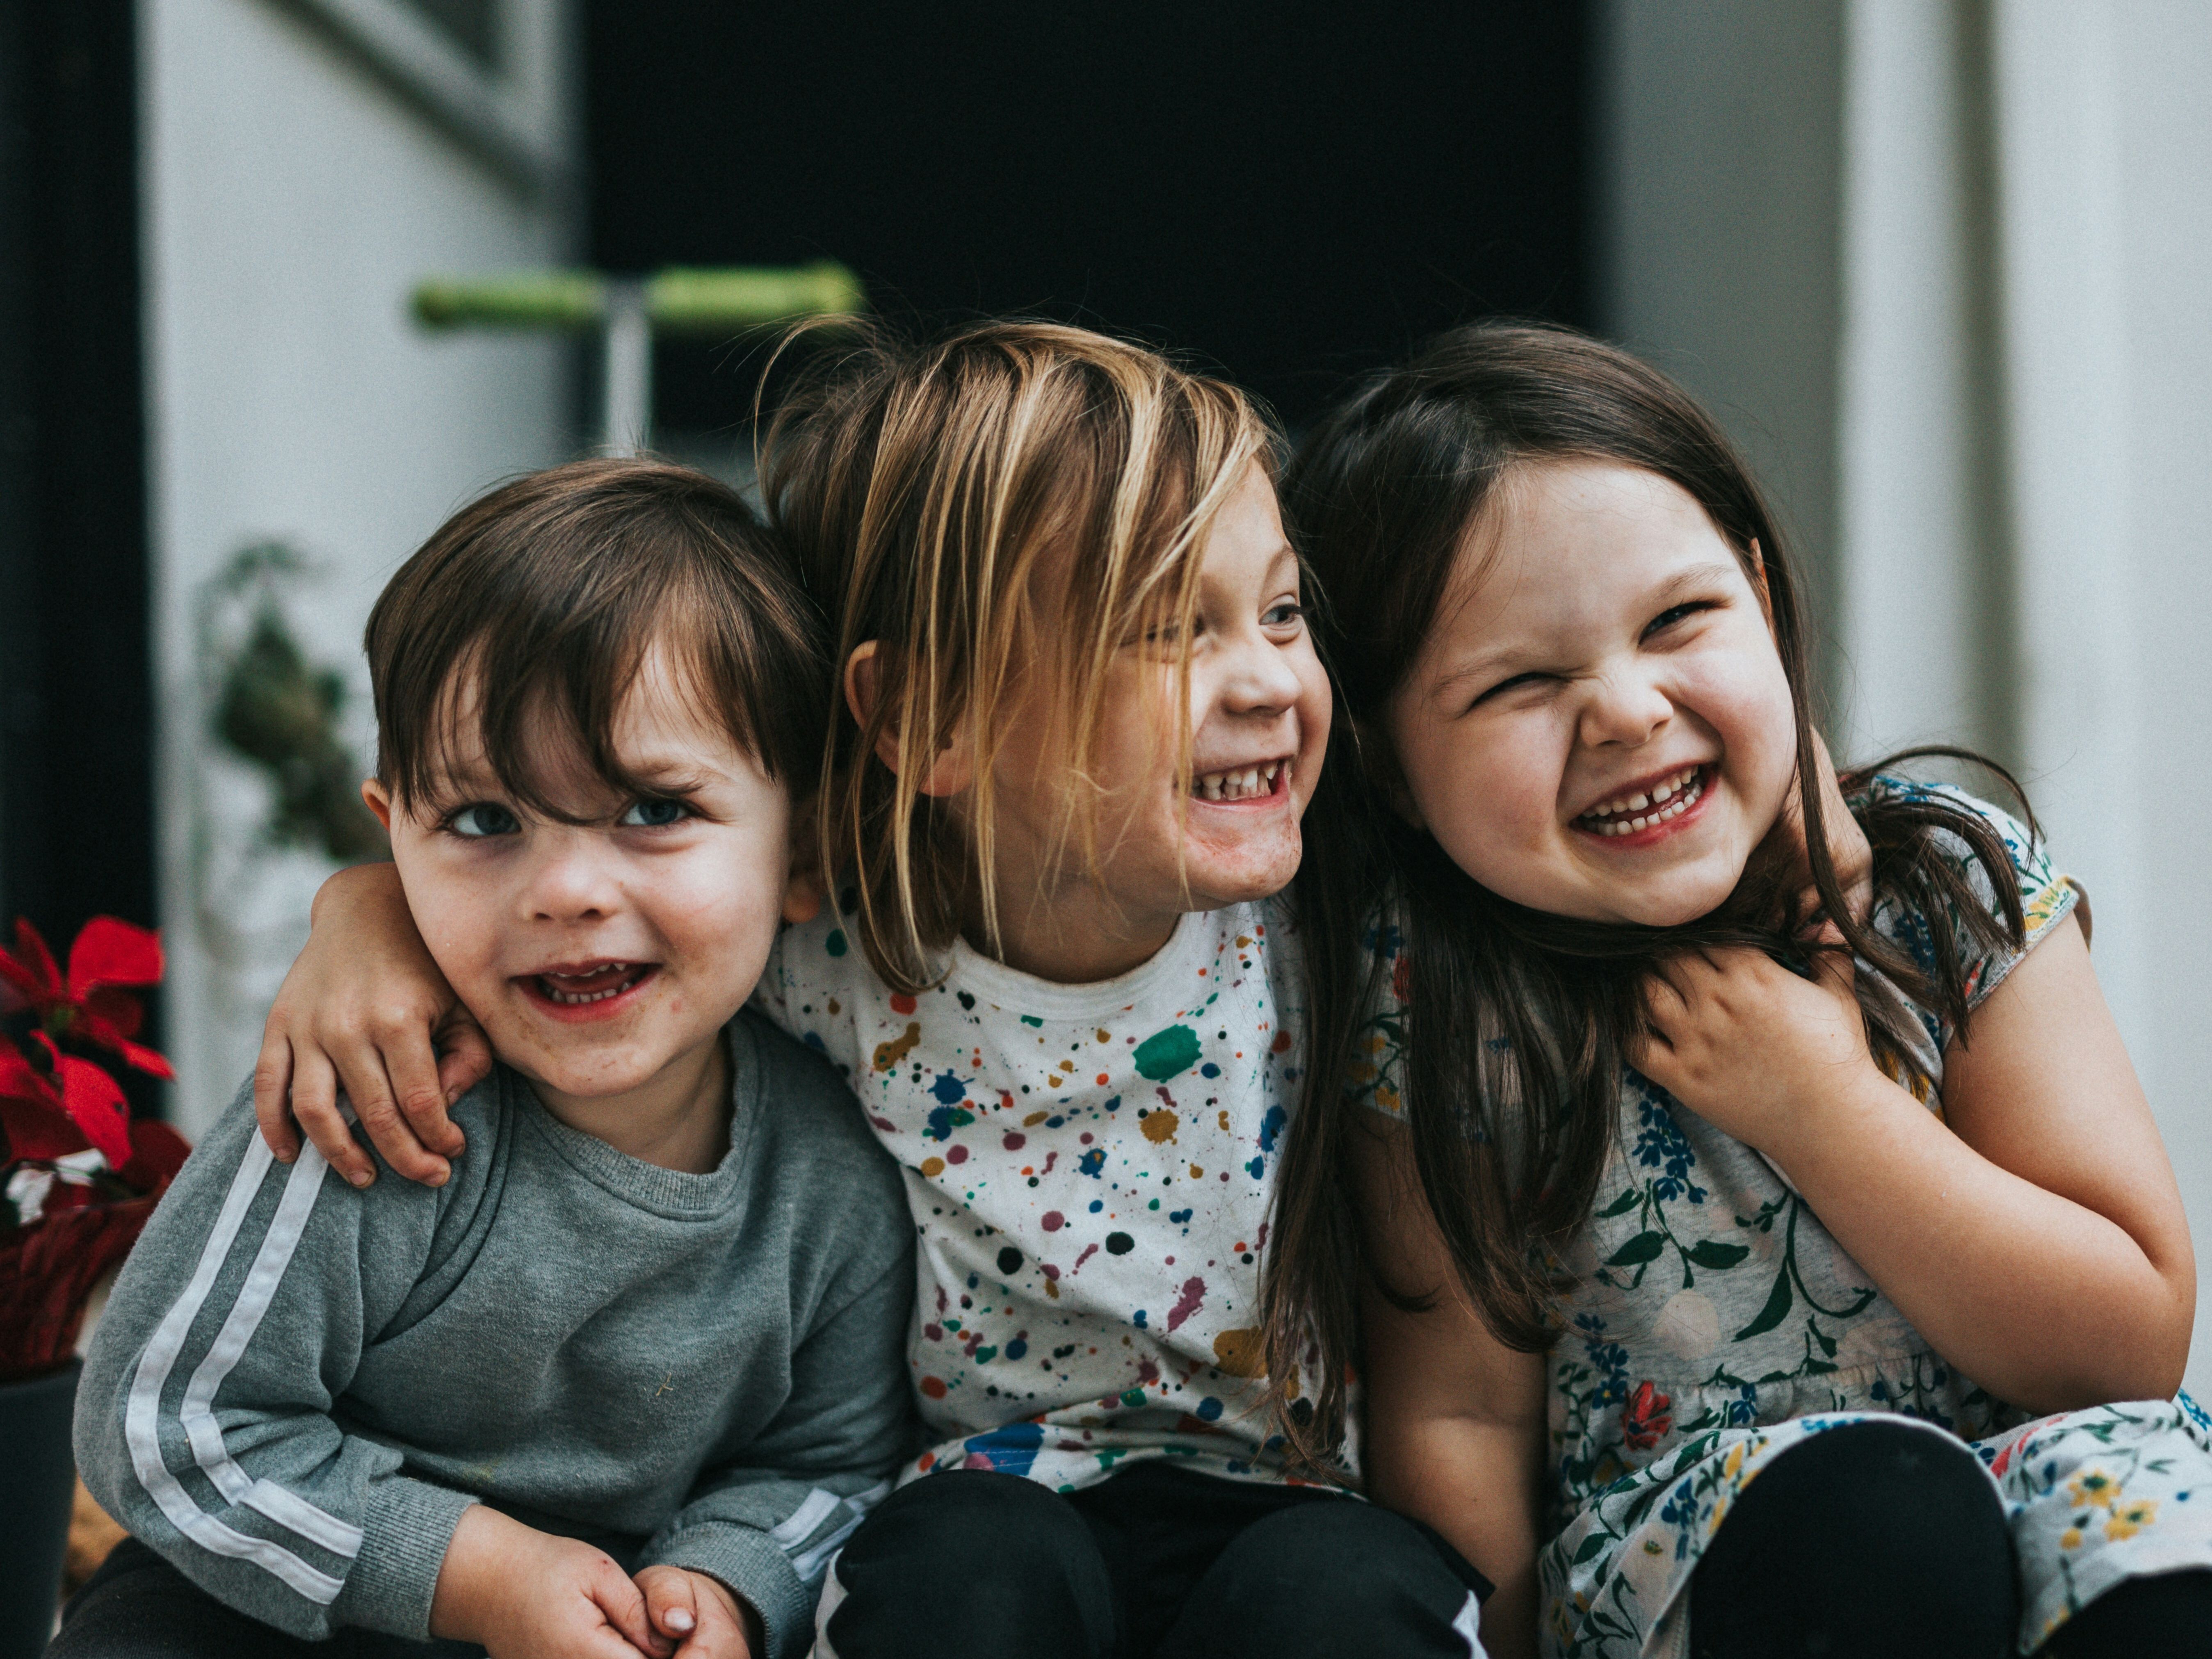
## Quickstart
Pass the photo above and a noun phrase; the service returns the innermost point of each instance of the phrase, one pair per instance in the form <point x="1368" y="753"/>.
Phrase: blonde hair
<point x="936" y="496"/>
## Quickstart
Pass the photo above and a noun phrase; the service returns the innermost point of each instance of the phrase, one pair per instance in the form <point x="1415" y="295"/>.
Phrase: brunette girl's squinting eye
<point x="653" y="814"/>
<point x="1513" y="685"/>
<point x="482" y="819"/>
<point x="1675" y="613"/>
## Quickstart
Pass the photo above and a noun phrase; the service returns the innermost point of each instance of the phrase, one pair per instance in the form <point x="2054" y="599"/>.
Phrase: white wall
<point x="1721" y="130"/>
<point x="290" y="200"/>
<point x="1989" y="379"/>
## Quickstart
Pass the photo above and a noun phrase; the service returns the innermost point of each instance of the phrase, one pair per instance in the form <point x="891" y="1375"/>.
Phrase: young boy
<point x="656" y="1322"/>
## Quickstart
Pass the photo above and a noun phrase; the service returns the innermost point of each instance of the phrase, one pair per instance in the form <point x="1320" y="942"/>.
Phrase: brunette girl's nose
<point x="1629" y="710"/>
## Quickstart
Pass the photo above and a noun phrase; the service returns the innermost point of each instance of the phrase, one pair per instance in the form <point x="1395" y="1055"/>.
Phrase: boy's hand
<point x="522" y="1594"/>
<point x="700" y="1615"/>
<point x="1753" y="1049"/>
<point x="359" y="1010"/>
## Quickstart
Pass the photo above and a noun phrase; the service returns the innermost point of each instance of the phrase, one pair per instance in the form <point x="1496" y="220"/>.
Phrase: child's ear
<point x="379" y="802"/>
<point x="804" y="884"/>
<point x="802" y="895"/>
<point x="1759" y="583"/>
<point x="953" y="768"/>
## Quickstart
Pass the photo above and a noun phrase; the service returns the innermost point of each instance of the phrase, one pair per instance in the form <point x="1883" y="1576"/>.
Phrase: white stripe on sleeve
<point x="142" y="1413"/>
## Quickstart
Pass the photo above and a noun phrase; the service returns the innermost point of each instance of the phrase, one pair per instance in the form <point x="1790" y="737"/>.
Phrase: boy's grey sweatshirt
<point x="297" y="1388"/>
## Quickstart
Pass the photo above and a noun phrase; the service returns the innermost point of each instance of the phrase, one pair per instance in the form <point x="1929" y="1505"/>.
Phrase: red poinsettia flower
<point x="71" y="1105"/>
<point x="96" y="1003"/>
<point x="47" y="1269"/>
<point x="1646" y="1418"/>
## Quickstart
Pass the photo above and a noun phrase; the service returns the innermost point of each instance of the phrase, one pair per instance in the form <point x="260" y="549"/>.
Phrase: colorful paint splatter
<point x="1089" y="1168"/>
<point x="1716" y="1323"/>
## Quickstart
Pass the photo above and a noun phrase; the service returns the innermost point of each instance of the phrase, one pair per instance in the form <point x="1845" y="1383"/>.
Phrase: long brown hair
<point x="936" y="492"/>
<point x="1517" y="1022"/>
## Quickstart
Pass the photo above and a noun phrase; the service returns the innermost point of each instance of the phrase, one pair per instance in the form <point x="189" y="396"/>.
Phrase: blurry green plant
<point x="284" y="713"/>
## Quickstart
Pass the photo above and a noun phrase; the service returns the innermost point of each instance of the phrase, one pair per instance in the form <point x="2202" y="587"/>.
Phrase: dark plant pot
<point x="38" y="1478"/>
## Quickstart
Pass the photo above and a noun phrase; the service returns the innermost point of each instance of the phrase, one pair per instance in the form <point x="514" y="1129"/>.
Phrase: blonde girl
<point x="1081" y="716"/>
<point x="1740" y="1281"/>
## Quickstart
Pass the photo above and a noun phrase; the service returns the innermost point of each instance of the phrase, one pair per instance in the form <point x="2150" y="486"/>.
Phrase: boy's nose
<point x="574" y="881"/>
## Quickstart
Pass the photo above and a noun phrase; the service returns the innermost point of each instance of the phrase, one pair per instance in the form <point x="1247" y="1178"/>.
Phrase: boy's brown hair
<point x="542" y="599"/>
<point x="1010" y="499"/>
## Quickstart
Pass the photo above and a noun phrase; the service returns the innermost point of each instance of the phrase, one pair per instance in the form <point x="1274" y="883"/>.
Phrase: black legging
<point x="1156" y="1562"/>
<point x="1887" y="1543"/>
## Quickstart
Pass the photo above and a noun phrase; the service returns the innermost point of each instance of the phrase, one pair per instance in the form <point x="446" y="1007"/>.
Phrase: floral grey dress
<point x="1716" y="1324"/>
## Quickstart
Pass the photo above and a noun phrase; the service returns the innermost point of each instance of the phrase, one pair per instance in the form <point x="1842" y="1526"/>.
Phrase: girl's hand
<point x="360" y="1010"/>
<point x="1755" y="1050"/>
<point x="699" y="1615"/>
<point x="522" y="1594"/>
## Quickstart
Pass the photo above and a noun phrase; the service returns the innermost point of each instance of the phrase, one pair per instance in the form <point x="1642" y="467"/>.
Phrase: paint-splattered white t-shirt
<point x="1089" y="1168"/>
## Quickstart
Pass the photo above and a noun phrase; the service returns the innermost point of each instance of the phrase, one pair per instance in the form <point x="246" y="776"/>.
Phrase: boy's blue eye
<point x="482" y="819"/>
<point x="654" y="814"/>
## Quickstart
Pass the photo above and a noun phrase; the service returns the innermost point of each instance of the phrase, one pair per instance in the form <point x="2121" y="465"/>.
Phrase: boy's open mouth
<point x="586" y="985"/>
<point x="1259" y="781"/>
<point x="1650" y="806"/>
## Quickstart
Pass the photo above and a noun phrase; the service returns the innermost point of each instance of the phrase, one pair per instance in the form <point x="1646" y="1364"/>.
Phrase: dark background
<point x="1295" y="191"/>
<point x="76" y="751"/>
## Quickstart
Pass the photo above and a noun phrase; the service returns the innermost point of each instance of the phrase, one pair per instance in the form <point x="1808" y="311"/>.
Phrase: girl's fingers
<point x="361" y="1067"/>
<point x="315" y="1108"/>
<point x="413" y="1070"/>
<point x="464" y="1056"/>
<point x="272" y="1097"/>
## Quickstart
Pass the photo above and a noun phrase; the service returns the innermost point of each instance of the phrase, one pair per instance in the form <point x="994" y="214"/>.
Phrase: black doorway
<point x="1297" y="192"/>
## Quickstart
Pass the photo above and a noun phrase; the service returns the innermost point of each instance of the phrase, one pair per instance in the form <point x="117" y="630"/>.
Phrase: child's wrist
<point x="478" y="1556"/>
<point x="1838" y="1116"/>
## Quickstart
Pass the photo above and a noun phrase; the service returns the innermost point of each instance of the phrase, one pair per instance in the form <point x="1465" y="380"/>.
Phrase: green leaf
<point x="1621" y="1206"/>
<point x="1593" y="1547"/>
<point x="1644" y="1247"/>
<point x="1710" y="1253"/>
<point x="1776" y="1310"/>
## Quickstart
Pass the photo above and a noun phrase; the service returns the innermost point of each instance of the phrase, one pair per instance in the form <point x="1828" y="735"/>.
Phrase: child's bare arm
<point x="365" y="1009"/>
<point x="2037" y="1241"/>
<point x="522" y="1594"/>
<point x="1454" y="1418"/>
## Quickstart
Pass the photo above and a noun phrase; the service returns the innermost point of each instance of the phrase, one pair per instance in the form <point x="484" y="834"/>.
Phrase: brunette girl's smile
<point x="1647" y="812"/>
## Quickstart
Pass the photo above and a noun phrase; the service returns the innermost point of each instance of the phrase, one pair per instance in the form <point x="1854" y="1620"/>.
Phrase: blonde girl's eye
<point x="1284" y="613"/>
<point x="481" y="820"/>
<point x="653" y="814"/>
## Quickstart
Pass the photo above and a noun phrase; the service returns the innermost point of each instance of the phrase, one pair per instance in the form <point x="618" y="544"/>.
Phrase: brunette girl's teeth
<point x="1671" y="796"/>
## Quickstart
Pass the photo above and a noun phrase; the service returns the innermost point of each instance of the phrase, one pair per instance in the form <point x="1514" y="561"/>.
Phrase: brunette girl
<point x="1737" y="1280"/>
